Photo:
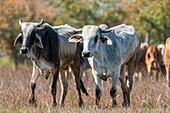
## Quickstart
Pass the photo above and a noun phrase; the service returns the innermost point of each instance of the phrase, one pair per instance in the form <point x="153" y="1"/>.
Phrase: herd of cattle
<point x="111" y="52"/>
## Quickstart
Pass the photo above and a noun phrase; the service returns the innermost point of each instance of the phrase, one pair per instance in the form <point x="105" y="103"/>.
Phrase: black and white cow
<point x="49" y="50"/>
<point x="108" y="51"/>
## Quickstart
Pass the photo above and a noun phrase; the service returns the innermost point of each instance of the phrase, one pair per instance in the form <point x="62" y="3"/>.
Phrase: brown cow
<point x="167" y="60"/>
<point x="153" y="61"/>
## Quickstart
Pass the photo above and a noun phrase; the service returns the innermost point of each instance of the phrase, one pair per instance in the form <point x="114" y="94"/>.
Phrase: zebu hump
<point x="67" y="50"/>
<point x="123" y="28"/>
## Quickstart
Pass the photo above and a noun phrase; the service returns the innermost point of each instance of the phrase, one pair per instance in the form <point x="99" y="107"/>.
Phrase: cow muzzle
<point x="24" y="50"/>
<point x="86" y="54"/>
<point x="154" y="65"/>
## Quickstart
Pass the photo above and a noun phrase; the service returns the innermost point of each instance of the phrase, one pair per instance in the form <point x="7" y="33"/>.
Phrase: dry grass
<point x="147" y="96"/>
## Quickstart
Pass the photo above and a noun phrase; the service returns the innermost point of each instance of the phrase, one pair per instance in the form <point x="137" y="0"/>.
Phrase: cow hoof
<point x="81" y="103"/>
<point x="32" y="102"/>
<point x="125" y="105"/>
<point x="97" y="107"/>
<point x="114" y="105"/>
<point x="61" y="105"/>
<point x="54" y="104"/>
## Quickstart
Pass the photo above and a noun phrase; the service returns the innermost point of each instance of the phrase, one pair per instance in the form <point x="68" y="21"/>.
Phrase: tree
<point x="150" y="16"/>
<point x="83" y="12"/>
<point x="11" y="11"/>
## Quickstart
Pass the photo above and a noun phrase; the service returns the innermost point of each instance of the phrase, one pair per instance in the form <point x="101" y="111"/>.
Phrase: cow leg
<point x="168" y="75"/>
<point x="163" y="71"/>
<point x="131" y="70"/>
<point x="128" y="81"/>
<point x="115" y="78"/>
<point x="126" y="100"/>
<point x="83" y="87"/>
<point x="123" y="85"/>
<point x="86" y="75"/>
<point x="149" y="71"/>
<point x="35" y="75"/>
<point x="98" y="88"/>
<point x="76" y="72"/>
<point x="68" y="73"/>
<point x="64" y="87"/>
<point x="157" y="74"/>
<point x="54" y="78"/>
<point x="83" y="73"/>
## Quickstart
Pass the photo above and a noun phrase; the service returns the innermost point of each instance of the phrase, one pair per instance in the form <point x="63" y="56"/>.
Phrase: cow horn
<point x="20" y="21"/>
<point x="40" y="23"/>
<point x="105" y="30"/>
<point x="78" y="30"/>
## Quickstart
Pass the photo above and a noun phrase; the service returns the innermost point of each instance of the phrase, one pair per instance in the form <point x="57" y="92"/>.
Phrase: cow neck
<point x="49" y="53"/>
<point x="97" y="58"/>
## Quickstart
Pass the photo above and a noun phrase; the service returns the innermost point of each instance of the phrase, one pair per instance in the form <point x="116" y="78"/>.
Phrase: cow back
<point x="67" y="50"/>
<point x="124" y="43"/>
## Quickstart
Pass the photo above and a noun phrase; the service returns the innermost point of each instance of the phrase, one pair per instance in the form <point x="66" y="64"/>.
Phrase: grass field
<point x="146" y="96"/>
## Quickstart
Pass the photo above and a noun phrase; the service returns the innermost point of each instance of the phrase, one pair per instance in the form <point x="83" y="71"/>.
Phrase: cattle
<point x="103" y="26"/>
<point x="161" y="48"/>
<point x="153" y="60"/>
<point x="141" y="67"/>
<point x="84" y="64"/>
<point x="142" y="52"/>
<point x="109" y="51"/>
<point x="167" y="60"/>
<point x="51" y="53"/>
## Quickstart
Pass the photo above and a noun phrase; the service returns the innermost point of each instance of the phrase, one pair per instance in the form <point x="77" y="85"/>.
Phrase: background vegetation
<point x="151" y="18"/>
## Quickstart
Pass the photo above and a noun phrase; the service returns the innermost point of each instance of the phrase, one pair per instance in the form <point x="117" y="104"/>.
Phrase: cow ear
<point x="75" y="38"/>
<point x="106" y="40"/>
<point x="38" y="41"/>
<point x="20" y="21"/>
<point x="18" y="40"/>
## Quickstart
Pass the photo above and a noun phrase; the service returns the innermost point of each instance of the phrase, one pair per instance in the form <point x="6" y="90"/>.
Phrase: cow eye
<point x="95" y="39"/>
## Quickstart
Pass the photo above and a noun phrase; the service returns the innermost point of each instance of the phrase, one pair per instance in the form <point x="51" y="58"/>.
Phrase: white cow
<point x="108" y="51"/>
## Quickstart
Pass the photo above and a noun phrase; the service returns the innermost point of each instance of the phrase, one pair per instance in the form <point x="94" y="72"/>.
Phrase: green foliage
<point x="150" y="16"/>
<point x="2" y="110"/>
<point x="11" y="11"/>
<point x="80" y="13"/>
<point x="6" y="61"/>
